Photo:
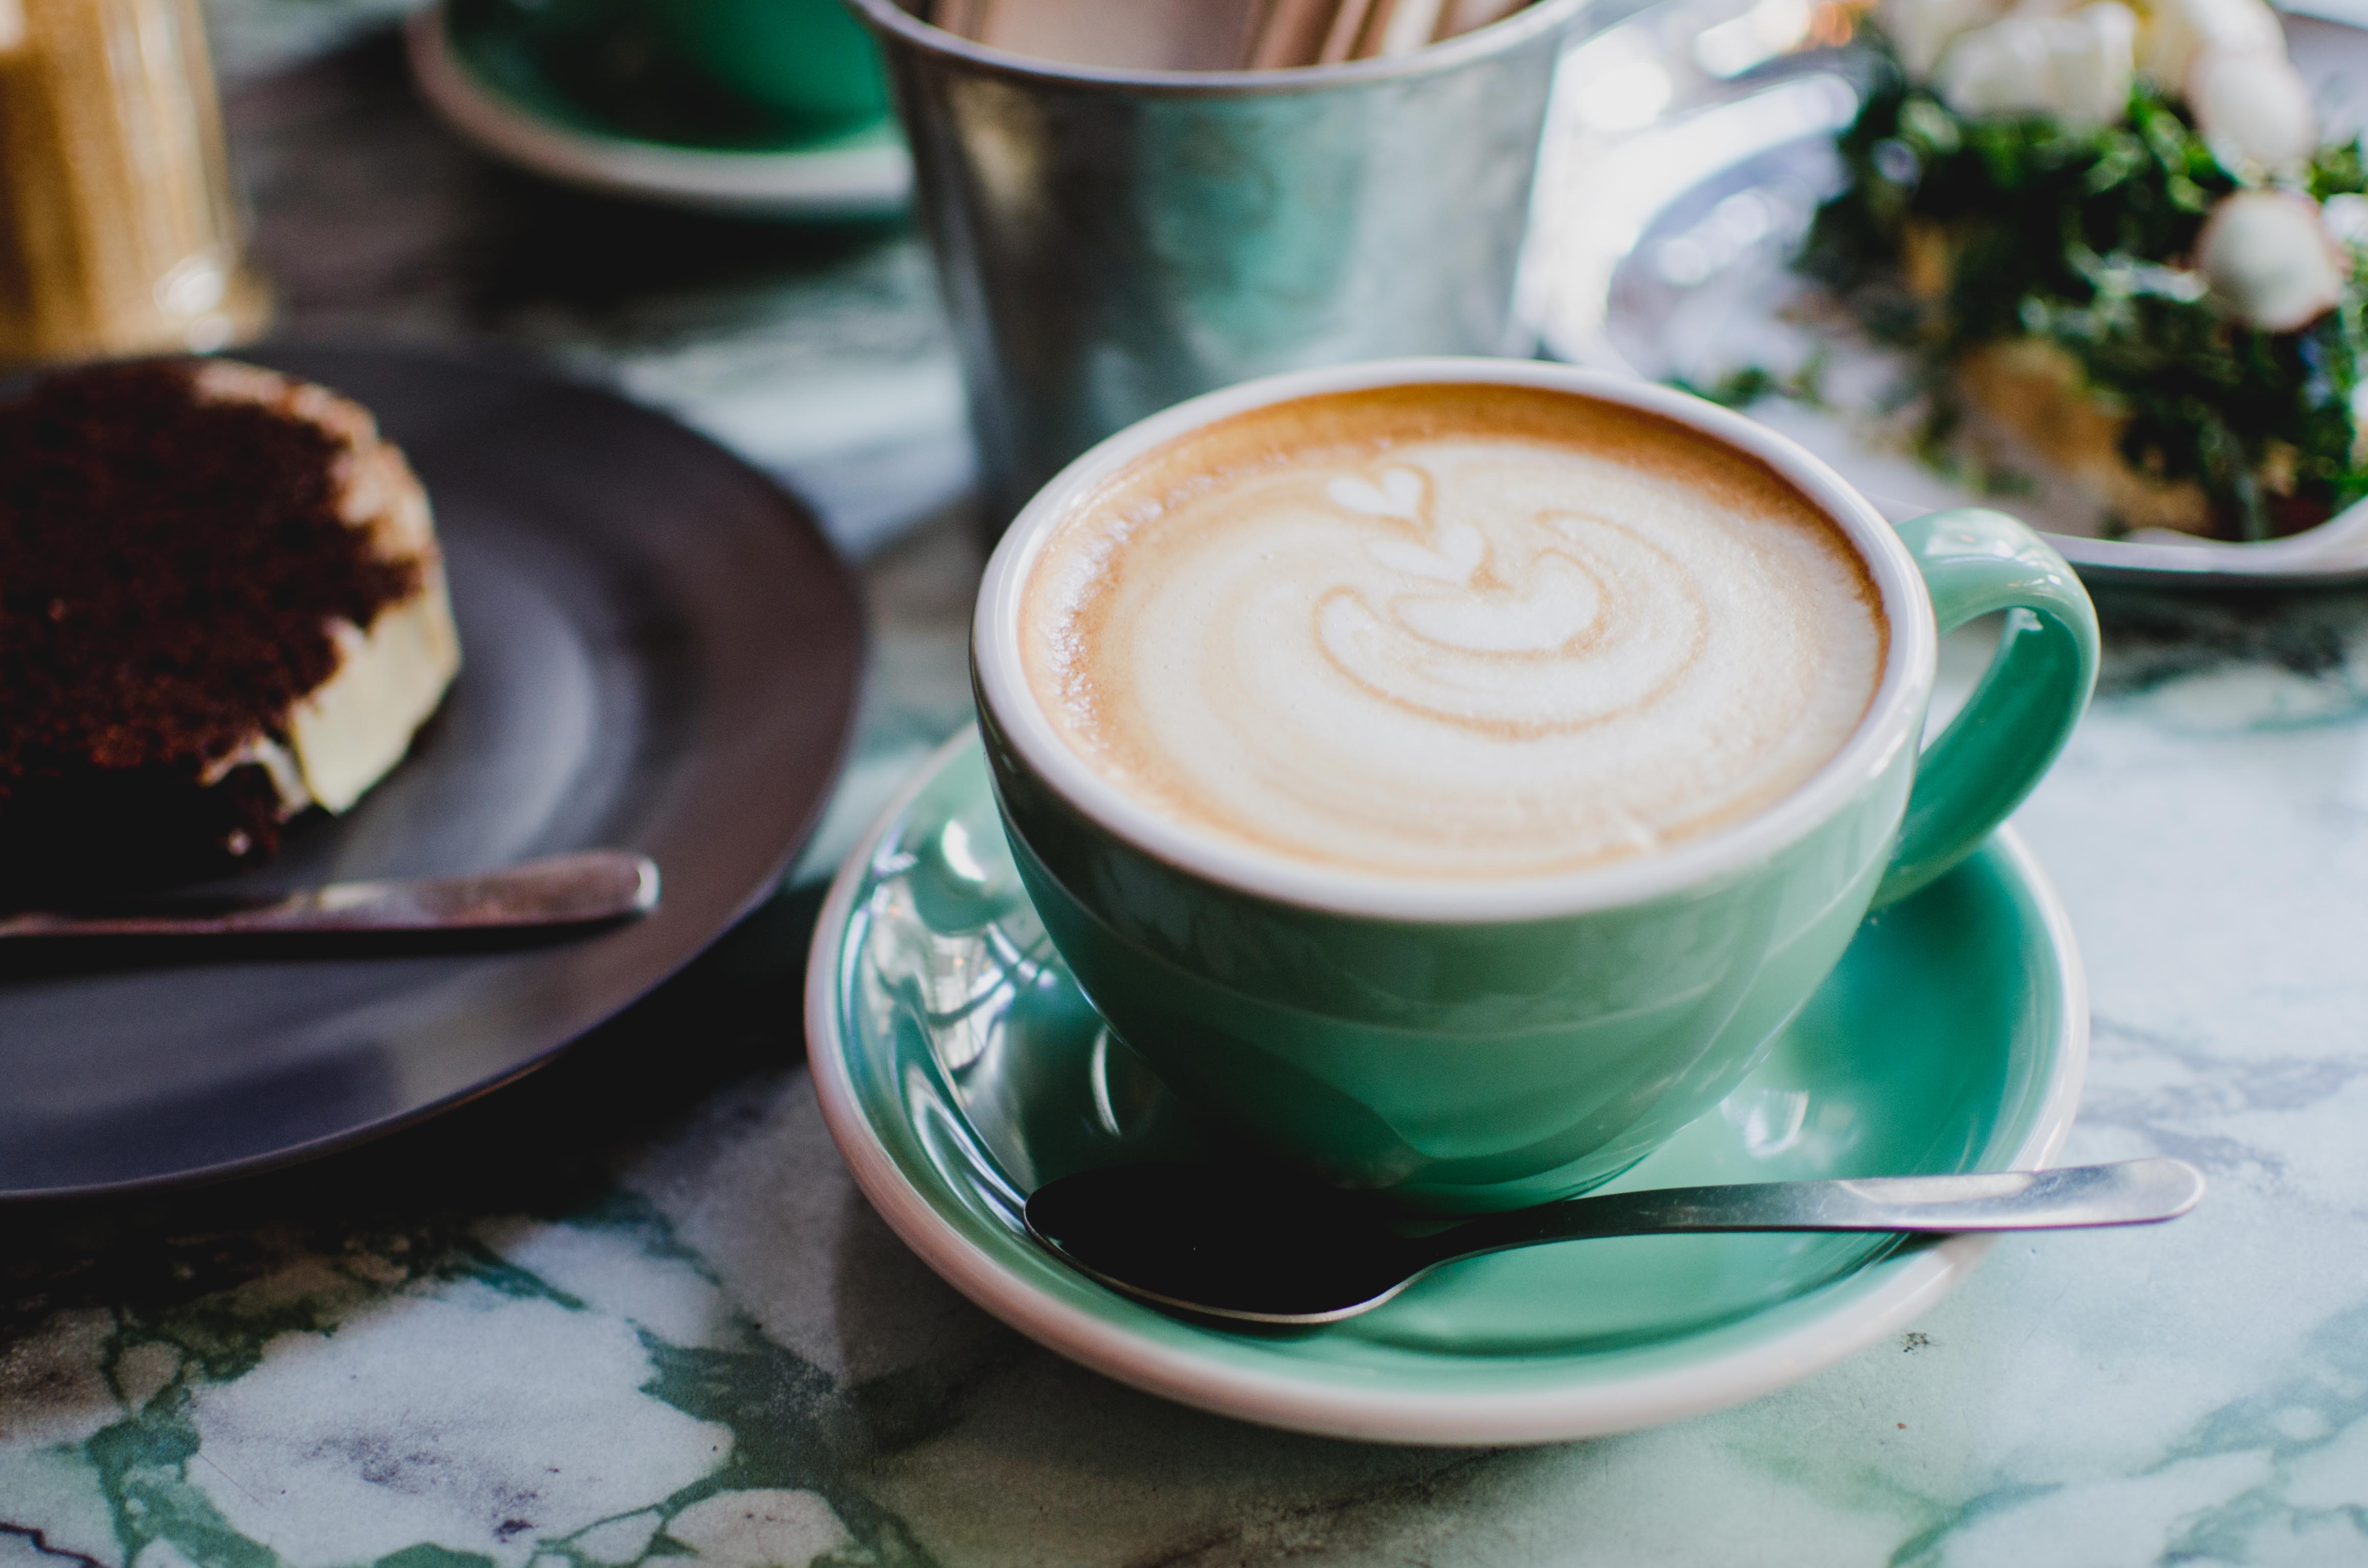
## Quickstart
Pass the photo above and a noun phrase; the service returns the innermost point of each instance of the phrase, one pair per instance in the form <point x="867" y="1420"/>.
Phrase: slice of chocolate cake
<point x="220" y="603"/>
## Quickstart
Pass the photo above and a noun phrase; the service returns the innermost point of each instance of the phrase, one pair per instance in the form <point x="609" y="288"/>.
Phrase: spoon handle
<point x="2136" y="1192"/>
<point x="565" y="889"/>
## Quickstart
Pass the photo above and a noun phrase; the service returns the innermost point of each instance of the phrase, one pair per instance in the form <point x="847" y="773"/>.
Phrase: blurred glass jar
<point x="118" y="231"/>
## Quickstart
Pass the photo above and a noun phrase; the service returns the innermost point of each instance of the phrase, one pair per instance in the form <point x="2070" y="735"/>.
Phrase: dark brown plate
<point x="662" y="655"/>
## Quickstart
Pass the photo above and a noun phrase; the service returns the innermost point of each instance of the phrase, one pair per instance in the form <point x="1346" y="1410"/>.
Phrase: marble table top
<point x="631" y="1309"/>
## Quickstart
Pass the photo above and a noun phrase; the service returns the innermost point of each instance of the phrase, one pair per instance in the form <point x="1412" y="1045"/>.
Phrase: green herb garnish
<point x="1955" y="232"/>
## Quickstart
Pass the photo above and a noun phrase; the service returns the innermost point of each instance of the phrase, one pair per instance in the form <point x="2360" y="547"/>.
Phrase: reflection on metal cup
<point x="1111" y="242"/>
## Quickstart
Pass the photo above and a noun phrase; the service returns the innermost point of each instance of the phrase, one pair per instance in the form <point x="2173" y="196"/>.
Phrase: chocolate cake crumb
<point x="169" y="571"/>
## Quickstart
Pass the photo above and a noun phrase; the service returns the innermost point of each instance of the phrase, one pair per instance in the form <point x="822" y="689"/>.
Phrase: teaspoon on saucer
<point x="562" y="890"/>
<point x="1277" y="1249"/>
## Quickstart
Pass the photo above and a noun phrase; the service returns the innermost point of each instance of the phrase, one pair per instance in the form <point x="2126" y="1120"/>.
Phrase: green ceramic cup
<point x="1486" y="1045"/>
<point x="698" y="72"/>
<point x="809" y="58"/>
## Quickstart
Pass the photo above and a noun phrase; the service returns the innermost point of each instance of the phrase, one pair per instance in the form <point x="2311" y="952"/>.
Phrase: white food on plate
<point x="2179" y="32"/>
<point x="1921" y="30"/>
<point x="2256" y="106"/>
<point x="2267" y="254"/>
<point x="2077" y="68"/>
<point x="2226" y="57"/>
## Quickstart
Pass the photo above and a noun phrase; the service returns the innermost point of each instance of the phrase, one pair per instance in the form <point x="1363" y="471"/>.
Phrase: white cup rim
<point x="1893" y="719"/>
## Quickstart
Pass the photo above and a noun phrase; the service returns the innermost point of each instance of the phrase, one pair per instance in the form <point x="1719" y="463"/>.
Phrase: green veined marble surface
<point x="631" y="1310"/>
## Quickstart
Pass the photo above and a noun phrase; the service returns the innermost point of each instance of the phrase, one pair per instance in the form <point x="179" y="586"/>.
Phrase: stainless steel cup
<point x="1112" y="242"/>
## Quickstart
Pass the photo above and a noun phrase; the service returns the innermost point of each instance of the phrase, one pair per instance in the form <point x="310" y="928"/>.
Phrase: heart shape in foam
<point x="1399" y="495"/>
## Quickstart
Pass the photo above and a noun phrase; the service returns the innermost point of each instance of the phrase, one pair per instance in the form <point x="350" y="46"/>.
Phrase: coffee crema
<point x="1460" y="631"/>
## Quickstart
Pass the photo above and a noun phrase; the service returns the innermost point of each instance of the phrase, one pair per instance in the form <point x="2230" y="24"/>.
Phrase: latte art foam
<point x="1452" y="632"/>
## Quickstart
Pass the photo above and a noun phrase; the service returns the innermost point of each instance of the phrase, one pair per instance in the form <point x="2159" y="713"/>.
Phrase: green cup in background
<point x="729" y="75"/>
<point x="806" y="58"/>
<point x="1491" y="1044"/>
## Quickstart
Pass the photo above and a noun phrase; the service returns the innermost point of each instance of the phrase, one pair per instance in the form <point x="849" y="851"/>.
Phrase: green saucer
<point x="562" y="106"/>
<point x="958" y="1067"/>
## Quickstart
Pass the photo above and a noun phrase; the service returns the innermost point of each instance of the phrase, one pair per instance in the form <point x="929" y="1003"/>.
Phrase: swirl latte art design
<point x="1524" y="637"/>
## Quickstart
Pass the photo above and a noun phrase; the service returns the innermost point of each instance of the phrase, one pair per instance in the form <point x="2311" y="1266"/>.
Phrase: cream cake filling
<point x="345" y="735"/>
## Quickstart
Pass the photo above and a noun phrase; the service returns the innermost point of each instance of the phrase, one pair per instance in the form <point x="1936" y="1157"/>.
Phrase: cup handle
<point x="1977" y="562"/>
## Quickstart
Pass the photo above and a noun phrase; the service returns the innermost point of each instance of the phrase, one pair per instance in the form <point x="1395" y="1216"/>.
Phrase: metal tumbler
<point x="1111" y="242"/>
